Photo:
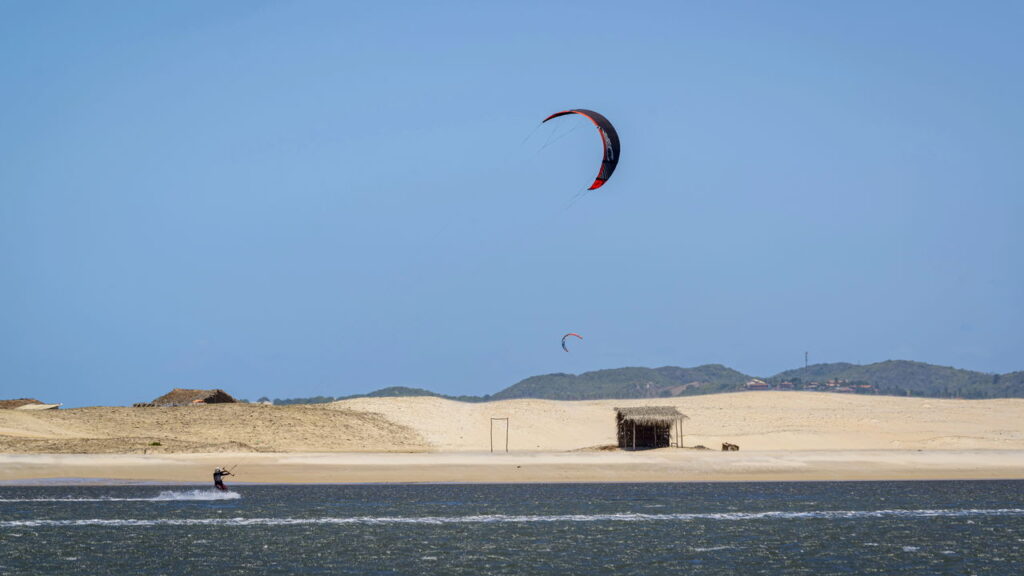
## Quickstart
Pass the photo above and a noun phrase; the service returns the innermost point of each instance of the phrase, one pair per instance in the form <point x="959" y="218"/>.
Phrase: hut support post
<point x="634" y="435"/>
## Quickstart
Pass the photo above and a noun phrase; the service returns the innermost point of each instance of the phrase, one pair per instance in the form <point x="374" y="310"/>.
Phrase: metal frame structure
<point x="506" y="432"/>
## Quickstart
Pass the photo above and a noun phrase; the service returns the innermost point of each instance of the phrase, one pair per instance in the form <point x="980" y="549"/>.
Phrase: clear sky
<point x="326" y="198"/>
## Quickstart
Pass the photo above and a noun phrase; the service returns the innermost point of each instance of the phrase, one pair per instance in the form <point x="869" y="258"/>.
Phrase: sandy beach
<point x="664" y="465"/>
<point x="782" y="435"/>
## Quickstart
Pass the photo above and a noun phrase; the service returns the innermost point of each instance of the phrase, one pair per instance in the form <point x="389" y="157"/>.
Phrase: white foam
<point x="165" y="496"/>
<point x="197" y="495"/>
<point x="515" y="519"/>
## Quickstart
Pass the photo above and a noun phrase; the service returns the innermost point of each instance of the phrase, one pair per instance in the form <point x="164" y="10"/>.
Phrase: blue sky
<point x="305" y="198"/>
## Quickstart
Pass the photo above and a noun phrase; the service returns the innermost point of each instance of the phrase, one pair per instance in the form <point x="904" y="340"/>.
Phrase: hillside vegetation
<point x="902" y="377"/>
<point x="892" y="377"/>
<point x="667" y="381"/>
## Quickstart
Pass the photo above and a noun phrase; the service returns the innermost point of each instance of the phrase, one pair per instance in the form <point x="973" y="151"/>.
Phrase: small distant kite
<point x="609" y="138"/>
<point x="566" y="336"/>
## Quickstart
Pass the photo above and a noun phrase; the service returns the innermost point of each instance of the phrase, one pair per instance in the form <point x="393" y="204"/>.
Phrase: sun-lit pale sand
<point x="782" y="436"/>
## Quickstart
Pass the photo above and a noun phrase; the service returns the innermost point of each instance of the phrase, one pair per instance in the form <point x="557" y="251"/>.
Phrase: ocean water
<point x="724" y="528"/>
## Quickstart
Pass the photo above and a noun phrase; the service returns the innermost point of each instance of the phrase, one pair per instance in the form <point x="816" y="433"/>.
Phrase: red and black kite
<point x="609" y="138"/>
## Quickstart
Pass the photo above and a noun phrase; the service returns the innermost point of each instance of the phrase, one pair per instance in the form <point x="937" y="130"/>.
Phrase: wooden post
<point x="634" y="434"/>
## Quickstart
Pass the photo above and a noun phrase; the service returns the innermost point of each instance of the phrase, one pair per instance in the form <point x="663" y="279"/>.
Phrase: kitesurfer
<point x="218" y="478"/>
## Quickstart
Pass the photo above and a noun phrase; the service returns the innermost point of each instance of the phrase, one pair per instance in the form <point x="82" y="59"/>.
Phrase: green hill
<point x="706" y="379"/>
<point x="892" y="377"/>
<point x="400" y="391"/>
<point x="397" y="391"/>
<point x="628" y="383"/>
<point x="902" y="377"/>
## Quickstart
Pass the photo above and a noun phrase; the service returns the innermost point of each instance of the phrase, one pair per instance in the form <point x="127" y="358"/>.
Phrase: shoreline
<point x="665" y="465"/>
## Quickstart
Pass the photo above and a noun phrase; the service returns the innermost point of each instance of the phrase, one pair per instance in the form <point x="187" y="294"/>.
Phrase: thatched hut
<point x="649" y="427"/>
<point x="188" y="397"/>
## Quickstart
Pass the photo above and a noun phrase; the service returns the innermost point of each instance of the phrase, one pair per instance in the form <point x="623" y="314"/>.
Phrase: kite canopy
<point x="609" y="137"/>
<point x="566" y="336"/>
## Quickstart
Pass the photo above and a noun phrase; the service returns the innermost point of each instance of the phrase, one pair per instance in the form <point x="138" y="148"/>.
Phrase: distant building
<point x="25" y="404"/>
<point x="12" y="404"/>
<point x="188" y="397"/>
<point x="757" y="384"/>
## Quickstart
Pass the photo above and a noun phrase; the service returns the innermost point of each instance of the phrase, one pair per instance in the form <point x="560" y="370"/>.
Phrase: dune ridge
<point x="782" y="435"/>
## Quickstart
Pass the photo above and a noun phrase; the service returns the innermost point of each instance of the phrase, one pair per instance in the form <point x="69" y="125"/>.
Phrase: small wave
<point x="197" y="495"/>
<point x="165" y="496"/>
<point x="513" y="519"/>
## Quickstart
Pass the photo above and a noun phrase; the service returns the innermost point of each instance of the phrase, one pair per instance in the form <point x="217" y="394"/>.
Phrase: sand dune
<point x="754" y="420"/>
<point x="783" y="436"/>
<point x="213" y="428"/>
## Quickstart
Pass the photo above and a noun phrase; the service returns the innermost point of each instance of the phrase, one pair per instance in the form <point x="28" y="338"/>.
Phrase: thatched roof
<point x="185" y="396"/>
<point x="12" y="404"/>
<point x="649" y="414"/>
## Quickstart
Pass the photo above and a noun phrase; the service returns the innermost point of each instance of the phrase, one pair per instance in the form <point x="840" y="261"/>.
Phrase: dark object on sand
<point x="727" y="447"/>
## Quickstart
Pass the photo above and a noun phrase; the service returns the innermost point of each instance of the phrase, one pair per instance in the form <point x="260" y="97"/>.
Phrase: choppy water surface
<point x="736" y="528"/>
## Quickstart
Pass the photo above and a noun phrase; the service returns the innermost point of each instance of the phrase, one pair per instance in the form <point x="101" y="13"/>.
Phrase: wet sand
<point x="663" y="465"/>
